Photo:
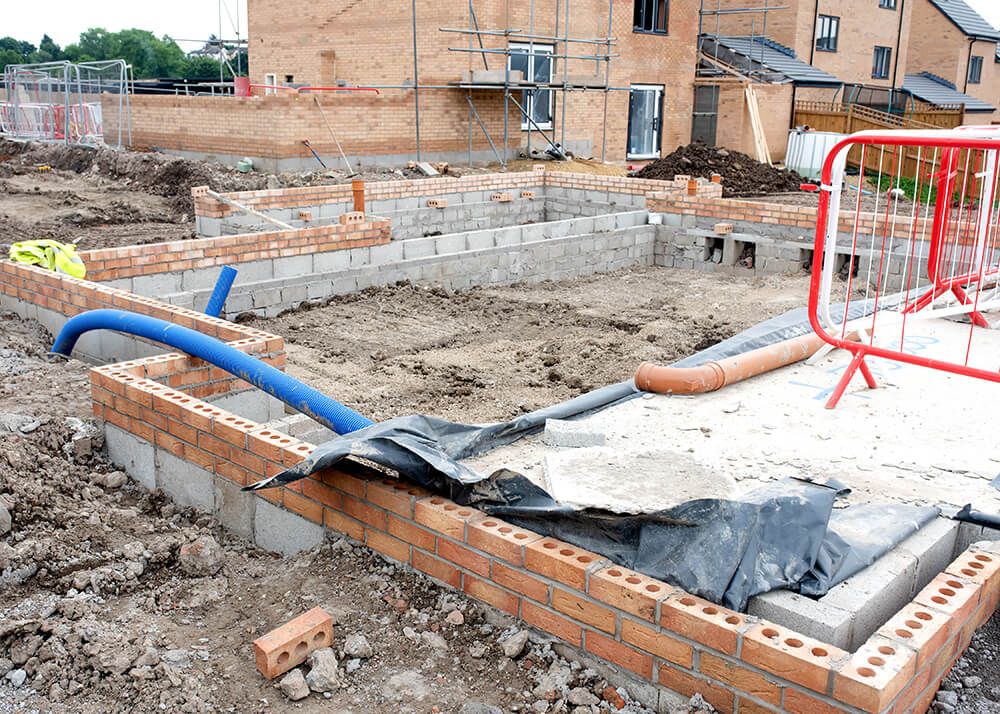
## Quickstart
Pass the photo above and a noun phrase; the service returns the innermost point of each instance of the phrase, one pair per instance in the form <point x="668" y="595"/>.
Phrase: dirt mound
<point x="741" y="174"/>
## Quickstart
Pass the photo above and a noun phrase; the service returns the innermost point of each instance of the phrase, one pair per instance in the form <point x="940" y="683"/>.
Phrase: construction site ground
<point x="93" y="593"/>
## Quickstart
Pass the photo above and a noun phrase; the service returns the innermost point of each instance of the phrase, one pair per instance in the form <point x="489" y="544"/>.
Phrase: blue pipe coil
<point x="221" y="291"/>
<point x="298" y="396"/>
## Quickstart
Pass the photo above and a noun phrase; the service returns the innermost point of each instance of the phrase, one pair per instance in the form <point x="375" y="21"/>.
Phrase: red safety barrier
<point x="919" y="238"/>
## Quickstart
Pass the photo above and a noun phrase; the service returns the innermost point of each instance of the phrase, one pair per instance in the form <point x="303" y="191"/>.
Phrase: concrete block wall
<point x="533" y="252"/>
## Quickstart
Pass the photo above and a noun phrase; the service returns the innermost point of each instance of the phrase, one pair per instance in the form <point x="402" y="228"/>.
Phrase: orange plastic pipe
<point x="716" y="375"/>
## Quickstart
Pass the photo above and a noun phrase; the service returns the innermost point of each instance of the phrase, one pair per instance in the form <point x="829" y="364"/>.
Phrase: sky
<point x="64" y="20"/>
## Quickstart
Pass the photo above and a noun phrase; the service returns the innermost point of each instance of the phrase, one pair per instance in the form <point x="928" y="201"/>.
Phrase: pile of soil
<point x="741" y="174"/>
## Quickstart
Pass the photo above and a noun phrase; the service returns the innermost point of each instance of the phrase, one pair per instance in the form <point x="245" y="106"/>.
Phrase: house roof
<point x="936" y="90"/>
<point x="966" y="19"/>
<point x="777" y="58"/>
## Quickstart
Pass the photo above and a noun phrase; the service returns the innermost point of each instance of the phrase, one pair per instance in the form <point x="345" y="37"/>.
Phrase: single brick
<point x="545" y="619"/>
<point x="560" y="561"/>
<point x="528" y="194"/>
<point x="918" y="628"/>
<point x="394" y="496"/>
<point x="289" y="645"/>
<point x="387" y="545"/>
<point x="485" y="592"/>
<point x="629" y="591"/>
<point x="657" y="643"/>
<point x="687" y="684"/>
<point x="437" y="202"/>
<point x="583" y="610"/>
<point x="699" y="620"/>
<point x="978" y="566"/>
<point x="790" y="656"/>
<point x="723" y="229"/>
<point x="739" y="677"/>
<point x="464" y="557"/>
<point x="500" y="539"/>
<point x="437" y="569"/>
<point x="873" y="677"/>
<point x="414" y="535"/>
<point x="352" y="218"/>
<point x="619" y="654"/>
<point x="798" y="701"/>
<point x="519" y="582"/>
<point x="951" y="596"/>
<point x="441" y="515"/>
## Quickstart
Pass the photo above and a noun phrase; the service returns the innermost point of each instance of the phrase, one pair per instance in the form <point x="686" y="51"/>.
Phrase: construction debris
<point x="741" y="175"/>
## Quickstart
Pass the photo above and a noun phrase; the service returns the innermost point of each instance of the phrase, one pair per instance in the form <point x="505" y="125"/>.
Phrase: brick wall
<point x="338" y="42"/>
<point x="734" y="130"/>
<point x="938" y="46"/>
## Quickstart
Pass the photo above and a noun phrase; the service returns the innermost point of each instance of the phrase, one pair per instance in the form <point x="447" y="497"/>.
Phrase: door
<point x="645" y="107"/>
<point x="706" y="114"/>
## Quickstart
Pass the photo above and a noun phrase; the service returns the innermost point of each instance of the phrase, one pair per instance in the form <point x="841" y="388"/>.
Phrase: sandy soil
<point x="491" y="354"/>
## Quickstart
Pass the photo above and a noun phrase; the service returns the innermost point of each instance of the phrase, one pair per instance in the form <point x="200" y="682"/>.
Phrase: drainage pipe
<point x="221" y="291"/>
<point x="717" y="374"/>
<point x="298" y="396"/>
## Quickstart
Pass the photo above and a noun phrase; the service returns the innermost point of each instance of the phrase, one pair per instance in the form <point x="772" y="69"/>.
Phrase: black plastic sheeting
<point x="786" y="534"/>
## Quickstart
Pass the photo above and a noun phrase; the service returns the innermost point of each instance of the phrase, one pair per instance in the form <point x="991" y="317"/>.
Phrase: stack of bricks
<point x="128" y="261"/>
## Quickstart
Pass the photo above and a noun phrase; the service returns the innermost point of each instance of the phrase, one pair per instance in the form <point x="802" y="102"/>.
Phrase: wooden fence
<point x="849" y="118"/>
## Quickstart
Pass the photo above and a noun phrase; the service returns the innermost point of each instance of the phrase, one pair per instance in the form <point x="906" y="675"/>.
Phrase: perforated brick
<point x="290" y="644"/>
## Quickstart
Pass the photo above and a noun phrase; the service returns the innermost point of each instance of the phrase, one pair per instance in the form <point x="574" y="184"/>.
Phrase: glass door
<point x="644" y="125"/>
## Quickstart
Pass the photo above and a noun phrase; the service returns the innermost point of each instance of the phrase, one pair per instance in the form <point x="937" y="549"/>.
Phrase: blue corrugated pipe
<point x="221" y="291"/>
<point x="298" y="396"/>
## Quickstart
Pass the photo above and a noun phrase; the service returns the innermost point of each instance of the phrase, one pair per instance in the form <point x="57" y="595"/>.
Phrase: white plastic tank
<point x="807" y="150"/>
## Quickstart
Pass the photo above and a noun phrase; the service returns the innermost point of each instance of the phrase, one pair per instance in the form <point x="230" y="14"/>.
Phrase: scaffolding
<point x="717" y="63"/>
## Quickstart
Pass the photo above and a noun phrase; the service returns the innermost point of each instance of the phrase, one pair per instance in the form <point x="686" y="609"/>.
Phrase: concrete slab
<point x="132" y="454"/>
<point x="185" y="483"/>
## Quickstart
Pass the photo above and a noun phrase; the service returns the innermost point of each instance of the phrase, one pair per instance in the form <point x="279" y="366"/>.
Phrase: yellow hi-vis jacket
<point x="50" y="254"/>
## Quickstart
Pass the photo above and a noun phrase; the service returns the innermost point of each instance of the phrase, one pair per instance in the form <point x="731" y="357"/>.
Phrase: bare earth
<point x="491" y="354"/>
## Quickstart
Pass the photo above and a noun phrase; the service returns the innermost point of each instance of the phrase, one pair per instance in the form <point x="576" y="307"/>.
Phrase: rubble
<point x="322" y="675"/>
<point x="202" y="557"/>
<point x="293" y="685"/>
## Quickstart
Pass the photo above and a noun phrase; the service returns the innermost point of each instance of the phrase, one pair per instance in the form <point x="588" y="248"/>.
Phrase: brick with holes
<point x="290" y="644"/>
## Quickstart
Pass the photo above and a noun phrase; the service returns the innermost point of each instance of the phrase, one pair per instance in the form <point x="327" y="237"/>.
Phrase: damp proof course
<point x="199" y="434"/>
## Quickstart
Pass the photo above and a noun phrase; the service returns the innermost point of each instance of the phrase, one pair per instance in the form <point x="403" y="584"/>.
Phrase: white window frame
<point x="271" y="80"/>
<point x="976" y="62"/>
<point x="535" y="48"/>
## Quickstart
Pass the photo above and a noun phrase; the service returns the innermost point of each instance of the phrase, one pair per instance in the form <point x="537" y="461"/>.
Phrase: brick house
<point x="953" y="57"/>
<point x="646" y="95"/>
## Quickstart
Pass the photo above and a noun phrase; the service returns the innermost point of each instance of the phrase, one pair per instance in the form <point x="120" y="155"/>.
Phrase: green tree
<point x="149" y="55"/>
<point x="14" y="51"/>
<point x="48" y="51"/>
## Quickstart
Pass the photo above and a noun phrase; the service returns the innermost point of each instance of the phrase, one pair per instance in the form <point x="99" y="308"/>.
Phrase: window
<point x="289" y="78"/>
<point x="535" y="63"/>
<point x="270" y="80"/>
<point x="887" y="4"/>
<point x="827" y="33"/>
<point x="881" y="60"/>
<point x="651" y="16"/>
<point x="975" y="69"/>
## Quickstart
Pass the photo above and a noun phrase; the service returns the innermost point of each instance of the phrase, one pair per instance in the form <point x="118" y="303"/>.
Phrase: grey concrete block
<point x="234" y="508"/>
<point x="391" y="252"/>
<point x="360" y="257"/>
<point x="332" y="261"/>
<point x="252" y="404"/>
<point x="293" y="266"/>
<point x="455" y="243"/>
<point x="418" y="248"/>
<point x="186" y="483"/>
<point x="281" y="531"/>
<point x="933" y="546"/>
<point x="156" y="285"/>
<point x="131" y="453"/>
<point x="875" y="594"/>
<point x="813" y="618"/>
